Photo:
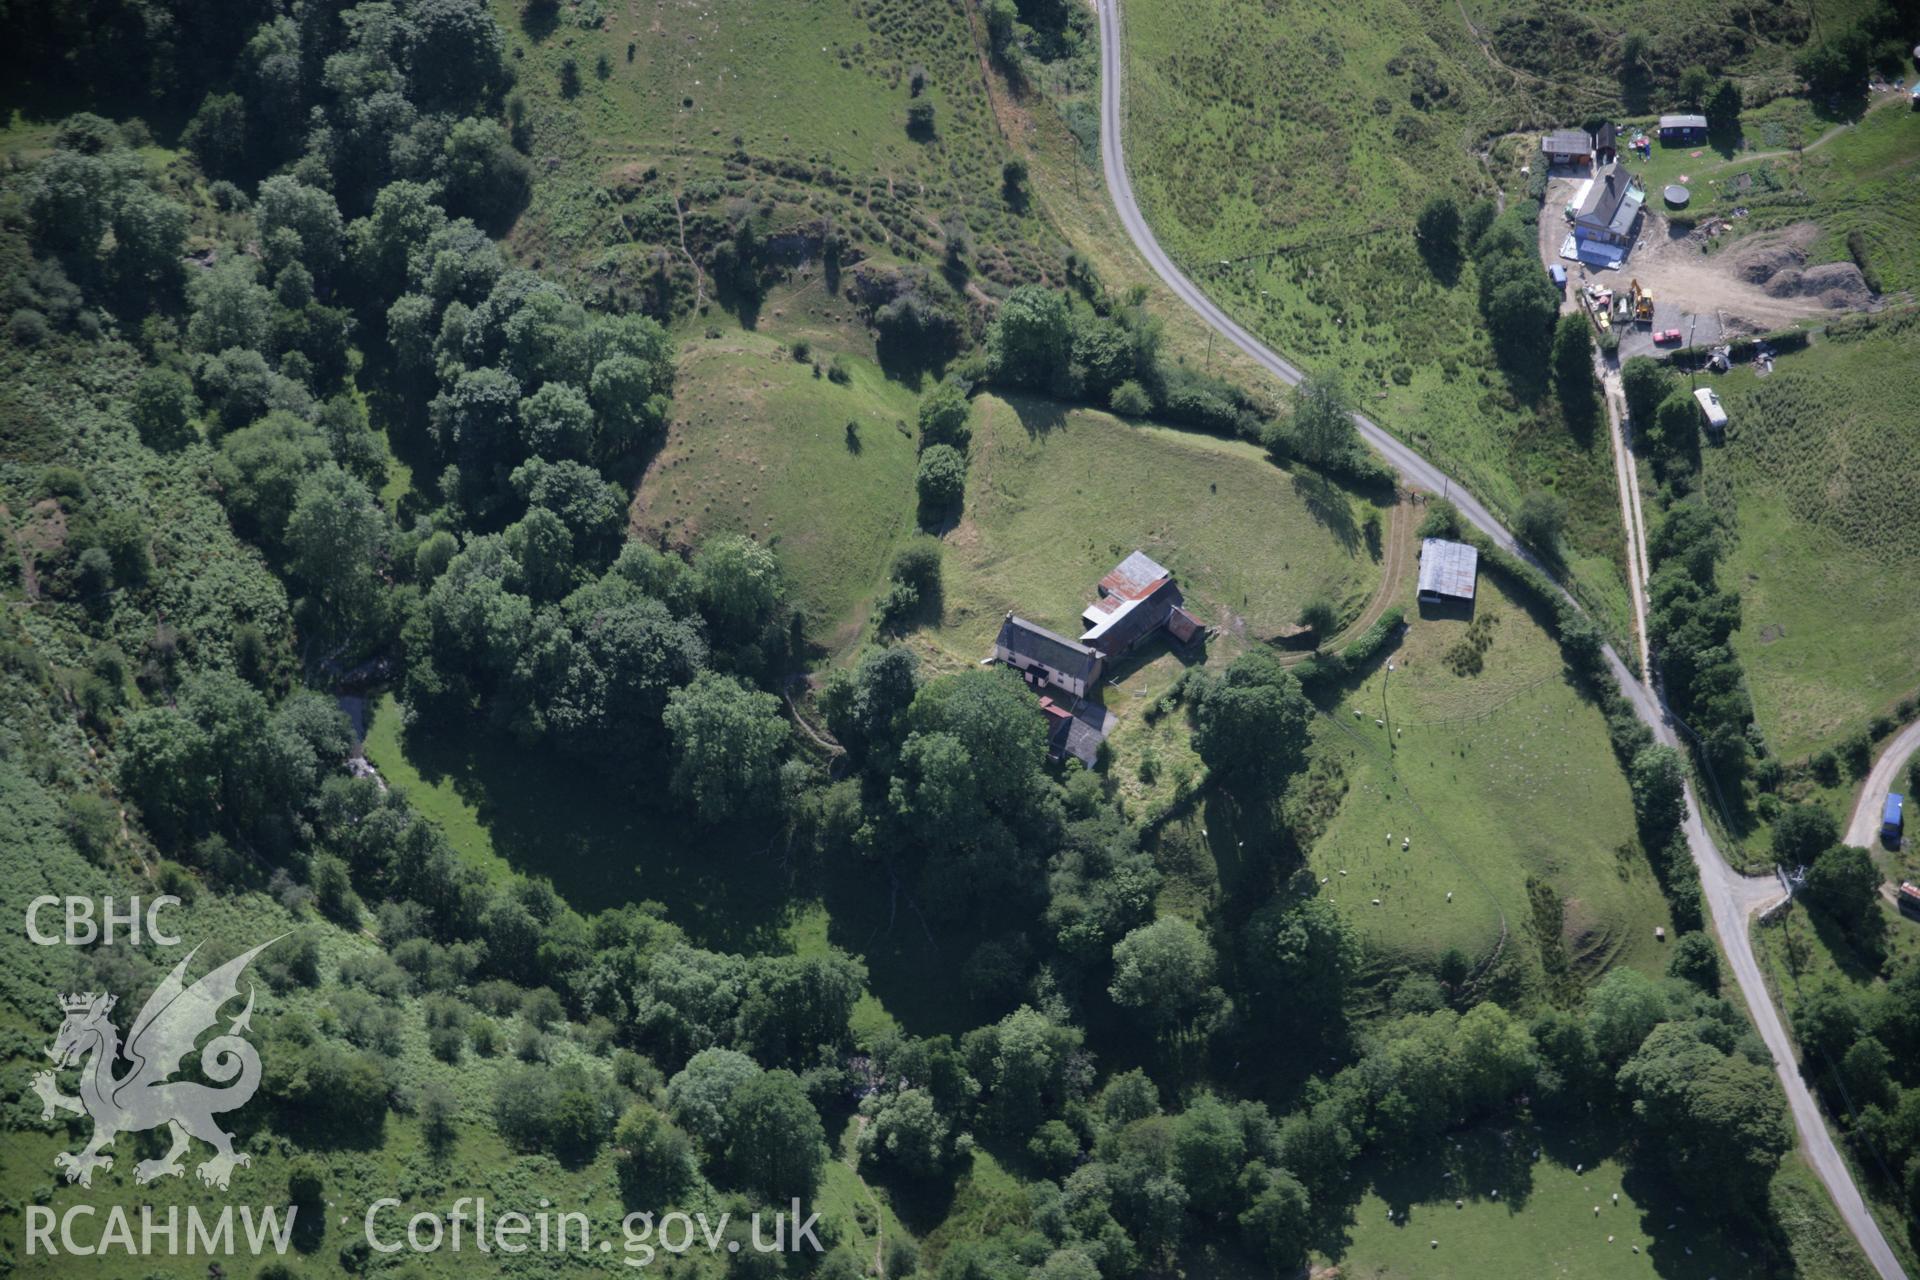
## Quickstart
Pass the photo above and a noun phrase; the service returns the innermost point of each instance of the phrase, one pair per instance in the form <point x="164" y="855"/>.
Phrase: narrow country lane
<point x="1731" y="897"/>
<point x="1863" y="827"/>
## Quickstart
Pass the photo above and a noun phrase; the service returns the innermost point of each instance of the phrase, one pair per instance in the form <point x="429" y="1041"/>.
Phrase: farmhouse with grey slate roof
<point x="1046" y="656"/>
<point x="1609" y="207"/>
<point x="1137" y="598"/>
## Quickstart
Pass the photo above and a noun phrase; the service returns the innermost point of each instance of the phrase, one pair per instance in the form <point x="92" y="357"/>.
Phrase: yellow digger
<point x="1642" y="303"/>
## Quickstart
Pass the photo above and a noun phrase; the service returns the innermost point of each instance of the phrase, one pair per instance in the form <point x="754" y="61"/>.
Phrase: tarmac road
<point x="1731" y="897"/>
<point x="1863" y="828"/>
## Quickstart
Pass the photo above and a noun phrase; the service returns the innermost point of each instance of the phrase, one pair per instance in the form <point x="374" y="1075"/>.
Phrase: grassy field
<point x="1543" y="1222"/>
<point x="1501" y="780"/>
<point x="760" y="443"/>
<point x="1298" y="145"/>
<point x="1816" y="481"/>
<point x="1057" y="497"/>
<point x="686" y="116"/>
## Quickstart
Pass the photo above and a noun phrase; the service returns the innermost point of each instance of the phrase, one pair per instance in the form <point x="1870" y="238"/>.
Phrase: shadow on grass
<point x="1504" y="1157"/>
<point x="550" y="816"/>
<point x="1327" y="503"/>
<point x="1118" y="670"/>
<point x="1038" y="415"/>
<point x="913" y="961"/>
<point x="1858" y="955"/>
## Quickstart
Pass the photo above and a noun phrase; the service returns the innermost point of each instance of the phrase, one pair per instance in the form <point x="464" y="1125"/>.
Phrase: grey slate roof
<point x="1083" y="741"/>
<point x="1567" y="142"/>
<point x="1612" y="201"/>
<point x="1448" y="568"/>
<point x="1031" y="640"/>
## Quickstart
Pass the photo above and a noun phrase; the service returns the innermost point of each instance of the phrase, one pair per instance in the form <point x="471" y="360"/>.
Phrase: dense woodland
<point x="233" y="548"/>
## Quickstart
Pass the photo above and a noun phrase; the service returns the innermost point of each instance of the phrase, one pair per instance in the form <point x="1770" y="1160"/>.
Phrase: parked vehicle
<point x="1711" y="408"/>
<point x="1892" y="820"/>
<point x="1667" y="335"/>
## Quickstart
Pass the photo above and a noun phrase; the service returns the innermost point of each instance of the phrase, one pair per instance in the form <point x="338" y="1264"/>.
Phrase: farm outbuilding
<point x="1448" y="571"/>
<point x="1606" y="144"/>
<point x="1070" y="735"/>
<point x="1136" y="598"/>
<point x="1683" y="128"/>
<point x="1568" y="146"/>
<point x="1133" y="601"/>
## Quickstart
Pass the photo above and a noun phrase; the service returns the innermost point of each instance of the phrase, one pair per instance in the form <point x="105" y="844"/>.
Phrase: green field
<point x="1499" y="780"/>
<point x="759" y="443"/>
<point x="1542" y="1220"/>
<point x="1816" y="482"/>
<point x="1056" y="497"/>
<point x="1310" y="139"/>
<point x="796" y="113"/>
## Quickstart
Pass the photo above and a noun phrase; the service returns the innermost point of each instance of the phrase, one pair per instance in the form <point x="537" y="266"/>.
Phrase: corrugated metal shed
<point x="1567" y="142"/>
<point x="1133" y="577"/>
<point x="1134" y="617"/>
<point x="1447" y="570"/>
<point x="1683" y="122"/>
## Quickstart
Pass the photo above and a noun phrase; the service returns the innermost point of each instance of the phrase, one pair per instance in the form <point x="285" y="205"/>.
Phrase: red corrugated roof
<point x="1134" y="578"/>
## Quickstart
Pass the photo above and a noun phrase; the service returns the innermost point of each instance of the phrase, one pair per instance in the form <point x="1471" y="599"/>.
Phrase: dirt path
<point x="852" y="1160"/>
<point x="1781" y="153"/>
<point x="699" y="278"/>
<point x="1627" y="480"/>
<point x="29" y="581"/>
<point x="1486" y="47"/>
<point x="1393" y="573"/>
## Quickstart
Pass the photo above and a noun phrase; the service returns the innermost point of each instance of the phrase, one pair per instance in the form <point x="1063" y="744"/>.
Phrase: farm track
<point x="1393" y="575"/>
<point x="1732" y="898"/>
<point x="1627" y="480"/>
<point x="1863" y="824"/>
